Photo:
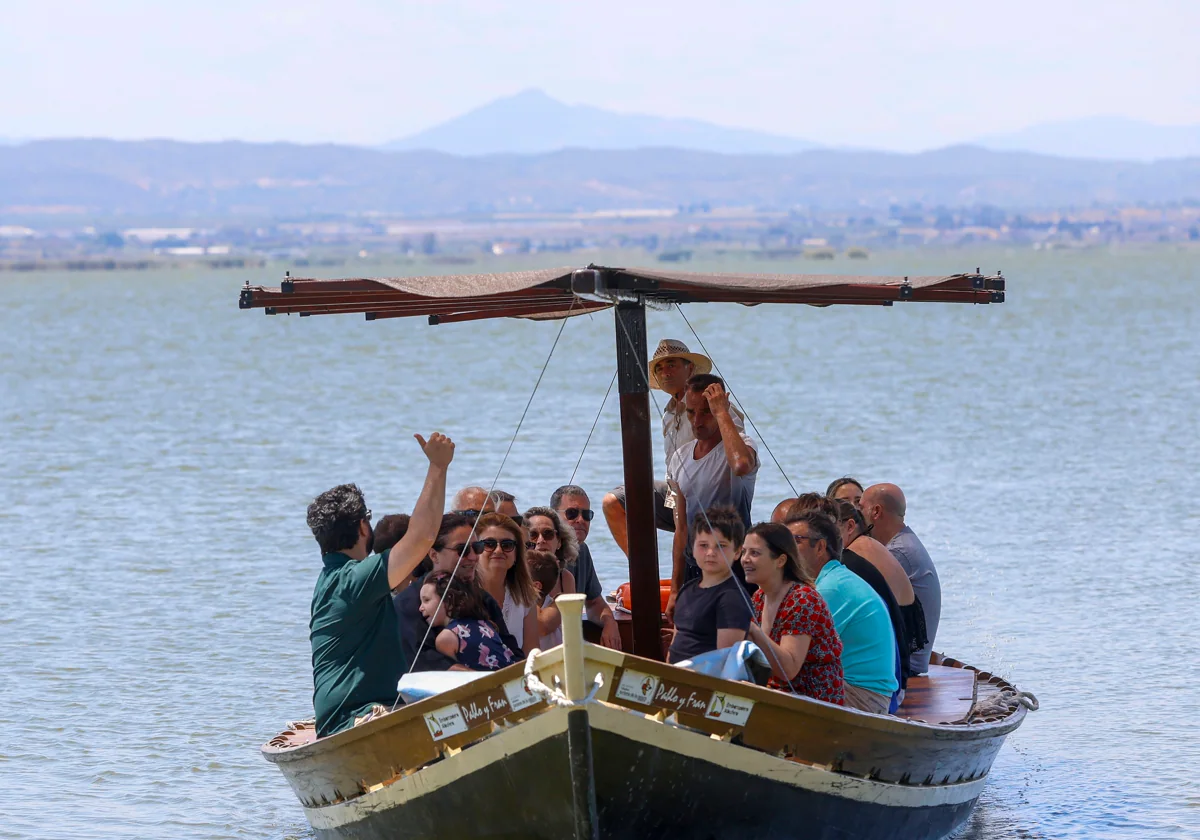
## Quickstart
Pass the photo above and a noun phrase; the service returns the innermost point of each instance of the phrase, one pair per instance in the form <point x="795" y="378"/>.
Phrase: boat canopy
<point x="561" y="292"/>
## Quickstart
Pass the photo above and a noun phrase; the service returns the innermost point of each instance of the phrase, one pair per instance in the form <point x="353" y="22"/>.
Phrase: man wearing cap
<point x="670" y="368"/>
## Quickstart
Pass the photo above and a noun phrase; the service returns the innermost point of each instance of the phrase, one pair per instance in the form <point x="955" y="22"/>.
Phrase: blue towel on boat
<point x="422" y="684"/>
<point x="743" y="661"/>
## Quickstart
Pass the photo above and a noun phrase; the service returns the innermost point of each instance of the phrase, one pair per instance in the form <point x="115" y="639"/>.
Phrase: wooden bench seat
<point x="944" y="695"/>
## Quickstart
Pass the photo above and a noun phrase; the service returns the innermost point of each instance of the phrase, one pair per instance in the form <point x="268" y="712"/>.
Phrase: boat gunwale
<point x="799" y="705"/>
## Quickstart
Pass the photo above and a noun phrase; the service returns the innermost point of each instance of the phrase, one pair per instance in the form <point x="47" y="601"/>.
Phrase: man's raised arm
<point x="427" y="515"/>
<point x="741" y="457"/>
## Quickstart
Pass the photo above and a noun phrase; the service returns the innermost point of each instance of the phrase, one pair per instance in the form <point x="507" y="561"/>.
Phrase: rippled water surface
<point x="158" y="449"/>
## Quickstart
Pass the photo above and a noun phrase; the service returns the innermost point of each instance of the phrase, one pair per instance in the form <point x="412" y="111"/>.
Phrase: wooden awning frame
<point x="593" y="288"/>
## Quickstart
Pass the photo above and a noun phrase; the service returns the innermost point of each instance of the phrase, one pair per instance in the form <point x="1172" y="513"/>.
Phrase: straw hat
<point x="670" y="348"/>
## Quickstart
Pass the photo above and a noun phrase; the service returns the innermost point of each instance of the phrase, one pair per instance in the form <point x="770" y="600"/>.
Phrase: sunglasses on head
<point x="546" y="534"/>
<point x="490" y="544"/>
<point x="575" y="513"/>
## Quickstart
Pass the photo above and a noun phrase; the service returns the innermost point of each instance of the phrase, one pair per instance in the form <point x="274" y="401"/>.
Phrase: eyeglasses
<point x="812" y="540"/>
<point x="546" y="534"/>
<point x="490" y="544"/>
<point x="574" y="513"/>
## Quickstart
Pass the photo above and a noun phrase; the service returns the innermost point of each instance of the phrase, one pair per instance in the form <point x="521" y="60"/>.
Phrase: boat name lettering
<point x="478" y="710"/>
<point x="682" y="698"/>
<point x="636" y="687"/>
<point x="729" y="709"/>
<point x="445" y="722"/>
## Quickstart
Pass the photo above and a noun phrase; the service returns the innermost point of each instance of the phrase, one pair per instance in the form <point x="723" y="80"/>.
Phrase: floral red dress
<point x="805" y="613"/>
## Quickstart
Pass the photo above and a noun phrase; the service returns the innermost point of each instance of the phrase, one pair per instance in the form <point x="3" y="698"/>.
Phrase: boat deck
<point x="944" y="695"/>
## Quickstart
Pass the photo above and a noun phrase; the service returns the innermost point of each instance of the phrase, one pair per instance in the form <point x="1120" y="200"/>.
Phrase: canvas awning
<point x="558" y="292"/>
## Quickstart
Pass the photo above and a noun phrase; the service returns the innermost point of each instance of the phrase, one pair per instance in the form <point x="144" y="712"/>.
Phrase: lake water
<point x="158" y="449"/>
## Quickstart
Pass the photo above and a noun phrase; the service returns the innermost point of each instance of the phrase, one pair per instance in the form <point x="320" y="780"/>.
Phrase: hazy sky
<point x="901" y="75"/>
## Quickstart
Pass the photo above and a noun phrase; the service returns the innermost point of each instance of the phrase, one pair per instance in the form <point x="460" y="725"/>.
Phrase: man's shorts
<point x="664" y="517"/>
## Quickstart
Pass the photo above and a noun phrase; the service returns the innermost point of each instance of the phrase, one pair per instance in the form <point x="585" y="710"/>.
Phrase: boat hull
<point x="651" y="780"/>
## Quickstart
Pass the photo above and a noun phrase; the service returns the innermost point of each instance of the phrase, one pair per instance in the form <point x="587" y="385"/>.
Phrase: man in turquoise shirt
<point x="356" y="653"/>
<point x="859" y="614"/>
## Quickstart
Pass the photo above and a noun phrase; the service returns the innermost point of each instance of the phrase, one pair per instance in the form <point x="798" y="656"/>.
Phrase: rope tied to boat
<point x="555" y="695"/>
<point x="1004" y="703"/>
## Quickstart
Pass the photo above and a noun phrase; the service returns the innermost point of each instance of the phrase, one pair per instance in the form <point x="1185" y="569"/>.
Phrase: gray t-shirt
<point x="709" y="481"/>
<point x="586" y="582"/>
<point x="916" y="561"/>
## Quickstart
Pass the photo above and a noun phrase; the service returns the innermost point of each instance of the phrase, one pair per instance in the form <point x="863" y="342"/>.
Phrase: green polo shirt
<point x="356" y="655"/>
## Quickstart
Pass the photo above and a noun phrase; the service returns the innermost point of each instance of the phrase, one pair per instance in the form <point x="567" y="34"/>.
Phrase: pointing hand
<point x="439" y="449"/>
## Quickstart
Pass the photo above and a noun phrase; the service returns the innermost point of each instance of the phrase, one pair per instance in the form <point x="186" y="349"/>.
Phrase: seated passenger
<point x="913" y="635"/>
<point x="845" y="489"/>
<point x="866" y="571"/>
<point x="453" y="551"/>
<point x="548" y="579"/>
<point x="466" y="634"/>
<point x="711" y="611"/>
<point x="572" y="503"/>
<point x="883" y="507"/>
<point x="859" y="615"/>
<point x="801" y="645"/>
<point x="388" y="531"/>
<point x="503" y="574"/>
<point x="356" y="654"/>
<point x="780" y="514"/>
<point x="547" y="531"/>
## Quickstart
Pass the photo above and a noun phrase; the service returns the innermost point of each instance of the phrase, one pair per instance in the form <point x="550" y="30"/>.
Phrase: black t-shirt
<point x="413" y="627"/>
<point x="862" y="567"/>
<point x="701" y="611"/>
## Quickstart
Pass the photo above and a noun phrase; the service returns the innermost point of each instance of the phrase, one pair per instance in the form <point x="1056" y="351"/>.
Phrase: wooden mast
<point x="638" y="455"/>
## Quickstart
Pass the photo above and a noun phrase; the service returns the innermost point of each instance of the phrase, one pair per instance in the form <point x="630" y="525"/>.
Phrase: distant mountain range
<point x="531" y="122"/>
<point x="1102" y="138"/>
<point x="167" y="179"/>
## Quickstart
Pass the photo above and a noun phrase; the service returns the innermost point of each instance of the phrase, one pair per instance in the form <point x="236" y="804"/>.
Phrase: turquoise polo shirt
<point x="862" y="621"/>
<point x="356" y="654"/>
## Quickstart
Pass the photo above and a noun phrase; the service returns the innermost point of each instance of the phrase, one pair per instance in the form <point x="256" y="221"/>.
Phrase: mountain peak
<point x="532" y="122"/>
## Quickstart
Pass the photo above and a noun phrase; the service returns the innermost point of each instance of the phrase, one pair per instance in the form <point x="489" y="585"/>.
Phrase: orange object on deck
<point x="664" y="595"/>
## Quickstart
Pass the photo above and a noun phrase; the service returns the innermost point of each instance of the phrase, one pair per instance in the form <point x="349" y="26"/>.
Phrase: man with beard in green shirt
<point x="356" y="653"/>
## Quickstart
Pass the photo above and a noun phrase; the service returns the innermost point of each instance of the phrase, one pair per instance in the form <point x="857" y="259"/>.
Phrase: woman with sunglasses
<point x="800" y="641"/>
<point x="503" y="575"/>
<point x="549" y="533"/>
<point x="453" y="551"/>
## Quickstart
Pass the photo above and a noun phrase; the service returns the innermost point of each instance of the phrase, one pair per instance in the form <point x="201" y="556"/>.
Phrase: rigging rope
<point x="741" y="407"/>
<point x="770" y="651"/>
<point x="593" y="429"/>
<point x="500" y="470"/>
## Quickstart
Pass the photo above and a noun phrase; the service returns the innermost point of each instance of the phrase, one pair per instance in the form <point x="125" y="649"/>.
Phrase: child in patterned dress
<point x="466" y="635"/>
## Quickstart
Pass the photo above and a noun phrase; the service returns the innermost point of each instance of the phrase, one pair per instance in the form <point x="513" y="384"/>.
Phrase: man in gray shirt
<point x="883" y="507"/>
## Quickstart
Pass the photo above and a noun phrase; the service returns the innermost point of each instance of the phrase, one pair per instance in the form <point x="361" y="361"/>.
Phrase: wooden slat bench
<point x="944" y="695"/>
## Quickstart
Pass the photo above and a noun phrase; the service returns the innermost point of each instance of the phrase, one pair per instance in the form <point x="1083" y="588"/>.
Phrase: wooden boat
<point x="584" y="741"/>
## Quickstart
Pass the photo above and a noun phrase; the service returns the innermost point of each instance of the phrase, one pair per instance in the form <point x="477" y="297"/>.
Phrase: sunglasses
<point x="575" y="513"/>
<point x="547" y="534"/>
<point x="459" y="549"/>
<point x="490" y="544"/>
<point x="474" y="514"/>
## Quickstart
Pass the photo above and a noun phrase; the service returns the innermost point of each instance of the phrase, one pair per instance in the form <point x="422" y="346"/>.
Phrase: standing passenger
<point x="355" y="638"/>
<point x="669" y="370"/>
<point x="883" y="507"/>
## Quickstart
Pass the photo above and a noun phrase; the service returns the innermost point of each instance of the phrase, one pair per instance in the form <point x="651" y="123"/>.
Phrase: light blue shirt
<point x="862" y="621"/>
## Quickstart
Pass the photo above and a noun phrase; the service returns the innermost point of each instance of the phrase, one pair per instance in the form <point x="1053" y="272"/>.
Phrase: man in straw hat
<point x="670" y="368"/>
